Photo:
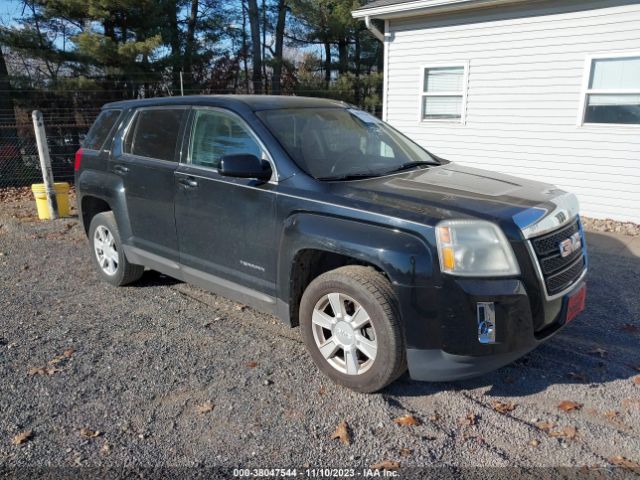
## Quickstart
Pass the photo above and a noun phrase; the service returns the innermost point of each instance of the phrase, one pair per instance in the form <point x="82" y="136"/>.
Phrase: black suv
<point x="386" y="255"/>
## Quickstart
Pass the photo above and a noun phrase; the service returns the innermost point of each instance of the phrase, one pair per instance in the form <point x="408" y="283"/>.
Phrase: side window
<point x="101" y="128"/>
<point x="216" y="134"/>
<point x="154" y="133"/>
<point x="443" y="93"/>
<point x="612" y="94"/>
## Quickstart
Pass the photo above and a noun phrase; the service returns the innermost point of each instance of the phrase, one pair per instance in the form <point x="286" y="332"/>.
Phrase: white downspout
<point x="372" y="28"/>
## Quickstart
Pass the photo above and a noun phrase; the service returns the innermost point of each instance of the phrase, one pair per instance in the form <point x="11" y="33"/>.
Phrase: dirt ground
<point x="162" y="374"/>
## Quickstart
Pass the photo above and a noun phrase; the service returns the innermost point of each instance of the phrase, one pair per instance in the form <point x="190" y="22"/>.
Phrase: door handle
<point x="188" y="182"/>
<point x="121" y="169"/>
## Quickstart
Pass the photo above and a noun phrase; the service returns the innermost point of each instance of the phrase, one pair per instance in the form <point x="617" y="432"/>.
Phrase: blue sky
<point x="9" y="9"/>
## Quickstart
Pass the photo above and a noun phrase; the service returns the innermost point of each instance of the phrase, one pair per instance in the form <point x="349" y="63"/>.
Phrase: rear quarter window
<point x="100" y="130"/>
<point x="154" y="133"/>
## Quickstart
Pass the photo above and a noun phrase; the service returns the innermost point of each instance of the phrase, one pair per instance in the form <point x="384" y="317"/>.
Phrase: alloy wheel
<point x="106" y="251"/>
<point x="344" y="334"/>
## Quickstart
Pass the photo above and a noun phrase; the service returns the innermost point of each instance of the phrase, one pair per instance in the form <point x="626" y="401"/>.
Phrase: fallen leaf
<point x="623" y="462"/>
<point x="389" y="465"/>
<point x="534" y="442"/>
<point x="252" y="364"/>
<point x="86" y="432"/>
<point x="569" y="406"/>
<point x="405" y="452"/>
<point x="600" y="352"/>
<point x="501" y="407"/>
<point x="566" y="432"/>
<point x="42" y="371"/>
<point x="59" y="358"/>
<point x="630" y="328"/>
<point x="545" y="426"/>
<point x="469" y="419"/>
<point x="628" y="403"/>
<point x="636" y="380"/>
<point x="342" y="433"/>
<point x="407" y="420"/>
<point x="23" y="437"/>
<point x="206" y="407"/>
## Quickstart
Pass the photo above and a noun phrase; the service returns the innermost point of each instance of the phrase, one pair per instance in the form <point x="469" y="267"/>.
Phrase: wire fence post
<point x="45" y="163"/>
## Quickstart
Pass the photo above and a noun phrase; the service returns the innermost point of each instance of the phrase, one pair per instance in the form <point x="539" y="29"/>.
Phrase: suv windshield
<point x="343" y="143"/>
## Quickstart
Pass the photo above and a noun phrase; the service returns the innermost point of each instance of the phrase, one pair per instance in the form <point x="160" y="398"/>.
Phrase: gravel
<point x="132" y="366"/>
<point x="611" y="226"/>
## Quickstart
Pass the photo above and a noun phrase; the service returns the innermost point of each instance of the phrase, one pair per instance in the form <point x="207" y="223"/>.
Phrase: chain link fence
<point x="67" y="119"/>
<point x="19" y="162"/>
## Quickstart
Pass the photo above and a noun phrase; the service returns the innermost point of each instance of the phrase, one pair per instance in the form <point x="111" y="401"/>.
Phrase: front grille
<point x="559" y="273"/>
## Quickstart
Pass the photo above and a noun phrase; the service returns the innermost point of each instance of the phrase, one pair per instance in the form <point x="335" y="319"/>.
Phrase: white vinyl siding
<point x="524" y="91"/>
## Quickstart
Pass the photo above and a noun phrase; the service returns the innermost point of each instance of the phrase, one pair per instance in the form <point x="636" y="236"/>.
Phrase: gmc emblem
<point x="570" y="245"/>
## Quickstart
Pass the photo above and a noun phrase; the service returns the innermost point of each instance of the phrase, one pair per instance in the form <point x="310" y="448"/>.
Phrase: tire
<point x="112" y="265"/>
<point x="368" y="370"/>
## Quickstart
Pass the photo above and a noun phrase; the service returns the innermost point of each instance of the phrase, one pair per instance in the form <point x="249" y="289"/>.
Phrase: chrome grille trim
<point x="538" y="269"/>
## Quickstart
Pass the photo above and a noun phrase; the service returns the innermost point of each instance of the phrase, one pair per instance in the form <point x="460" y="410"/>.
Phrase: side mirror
<point x="244" y="166"/>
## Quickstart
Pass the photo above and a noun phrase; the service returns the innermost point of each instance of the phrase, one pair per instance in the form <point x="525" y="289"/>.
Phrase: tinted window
<point x="216" y="134"/>
<point x="154" y="133"/>
<point x="331" y="143"/>
<point x="100" y="130"/>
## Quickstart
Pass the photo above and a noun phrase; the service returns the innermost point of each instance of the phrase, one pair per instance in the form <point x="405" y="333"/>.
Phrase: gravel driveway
<point x="164" y="374"/>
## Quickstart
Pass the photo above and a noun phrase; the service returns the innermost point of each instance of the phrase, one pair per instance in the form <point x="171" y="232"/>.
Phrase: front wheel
<point x="351" y="326"/>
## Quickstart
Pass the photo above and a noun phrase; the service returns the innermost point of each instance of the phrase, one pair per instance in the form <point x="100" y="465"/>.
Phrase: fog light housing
<point x="486" y="316"/>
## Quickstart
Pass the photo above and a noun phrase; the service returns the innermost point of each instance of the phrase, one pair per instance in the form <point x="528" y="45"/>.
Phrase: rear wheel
<point x="351" y="327"/>
<point x="107" y="253"/>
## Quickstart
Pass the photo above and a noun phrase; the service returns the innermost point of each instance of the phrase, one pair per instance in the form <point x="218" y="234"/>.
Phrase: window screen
<point x="154" y="133"/>
<point x="443" y="93"/>
<point x="216" y="134"/>
<point x="100" y="130"/>
<point x="613" y="94"/>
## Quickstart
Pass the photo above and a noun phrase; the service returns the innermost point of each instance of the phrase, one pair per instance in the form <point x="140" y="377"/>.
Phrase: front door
<point x="147" y="164"/>
<point x="226" y="226"/>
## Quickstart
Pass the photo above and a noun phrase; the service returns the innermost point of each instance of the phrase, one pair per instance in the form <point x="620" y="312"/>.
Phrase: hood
<point x="451" y="191"/>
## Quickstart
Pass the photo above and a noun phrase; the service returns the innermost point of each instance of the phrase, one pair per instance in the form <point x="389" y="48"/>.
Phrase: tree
<point x="8" y="132"/>
<point x="276" y="81"/>
<point x="190" y="42"/>
<point x="254" y="23"/>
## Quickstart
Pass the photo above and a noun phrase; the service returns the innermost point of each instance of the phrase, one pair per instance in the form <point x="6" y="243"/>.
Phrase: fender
<point x="110" y="188"/>
<point x="405" y="258"/>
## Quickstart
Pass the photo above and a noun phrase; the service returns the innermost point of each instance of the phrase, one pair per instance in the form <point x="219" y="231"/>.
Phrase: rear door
<point x="149" y="158"/>
<point x="226" y="226"/>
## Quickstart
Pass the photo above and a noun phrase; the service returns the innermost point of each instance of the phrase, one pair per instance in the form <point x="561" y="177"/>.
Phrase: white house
<point x="548" y="90"/>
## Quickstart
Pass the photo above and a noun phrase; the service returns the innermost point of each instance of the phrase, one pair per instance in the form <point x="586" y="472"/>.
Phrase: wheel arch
<point x="314" y="244"/>
<point x="99" y="192"/>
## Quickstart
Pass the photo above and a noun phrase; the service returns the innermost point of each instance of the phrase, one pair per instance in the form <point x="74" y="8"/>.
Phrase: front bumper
<point x="460" y="356"/>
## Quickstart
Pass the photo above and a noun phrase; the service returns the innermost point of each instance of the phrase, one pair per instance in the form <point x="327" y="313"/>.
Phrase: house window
<point x="612" y="91"/>
<point x="443" y="93"/>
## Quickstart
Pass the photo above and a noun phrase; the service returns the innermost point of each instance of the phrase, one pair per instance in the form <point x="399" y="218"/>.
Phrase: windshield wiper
<point x="349" y="176"/>
<point x="409" y="166"/>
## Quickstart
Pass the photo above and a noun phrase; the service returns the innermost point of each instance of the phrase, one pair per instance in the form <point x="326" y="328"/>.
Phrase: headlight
<point x="474" y="248"/>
